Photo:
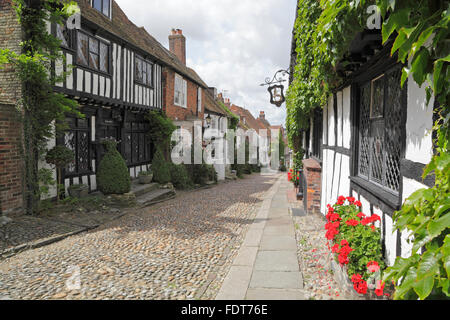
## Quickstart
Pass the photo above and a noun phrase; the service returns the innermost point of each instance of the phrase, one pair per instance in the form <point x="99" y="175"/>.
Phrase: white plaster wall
<point x="330" y="122"/>
<point x="390" y="241"/>
<point x="325" y="125"/>
<point x="344" y="185"/>
<point x="329" y="160"/>
<point x="323" y="191"/>
<point x="339" y="117"/>
<point x="347" y="129"/>
<point x="419" y="146"/>
<point x="44" y="165"/>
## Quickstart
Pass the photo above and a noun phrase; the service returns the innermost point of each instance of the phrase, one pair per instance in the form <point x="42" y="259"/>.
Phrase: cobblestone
<point x="168" y="251"/>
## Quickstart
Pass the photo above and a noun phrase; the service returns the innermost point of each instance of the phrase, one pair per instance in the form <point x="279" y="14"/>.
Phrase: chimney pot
<point x="177" y="44"/>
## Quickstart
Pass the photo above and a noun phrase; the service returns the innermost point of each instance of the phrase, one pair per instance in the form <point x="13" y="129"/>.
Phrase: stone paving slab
<point x="279" y="230"/>
<point x="277" y="280"/>
<point x="276" y="261"/>
<point x="253" y="237"/>
<point x="271" y="243"/>
<point x="246" y="256"/>
<point x="275" y="294"/>
<point x="235" y="284"/>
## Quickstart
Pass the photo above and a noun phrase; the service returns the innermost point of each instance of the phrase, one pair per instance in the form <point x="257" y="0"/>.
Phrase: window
<point x="77" y="139"/>
<point x="380" y="130"/>
<point x="103" y="6"/>
<point x="63" y="34"/>
<point x="180" y="98"/>
<point x="144" y="71"/>
<point x="199" y="100"/>
<point x="138" y="146"/>
<point x="92" y="53"/>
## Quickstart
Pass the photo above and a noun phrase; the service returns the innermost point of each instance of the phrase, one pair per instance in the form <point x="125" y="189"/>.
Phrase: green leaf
<point x="396" y="19"/>
<point x="436" y="227"/>
<point x="399" y="41"/>
<point x="406" y="284"/>
<point x="419" y="65"/>
<point x="424" y="287"/>
<point x="428" y="266"/>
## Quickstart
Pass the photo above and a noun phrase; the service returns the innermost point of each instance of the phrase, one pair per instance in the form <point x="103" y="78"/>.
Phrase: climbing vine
<point x="42" y="109"/>
<point x="419" y="34"/>
<point x="419" y="31"/>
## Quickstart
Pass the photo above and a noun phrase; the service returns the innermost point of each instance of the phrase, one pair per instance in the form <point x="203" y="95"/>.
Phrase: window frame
<point x="183" y="83"/>
<point x="100" y="42"/>
<point x="147" y="64"/>
<point x="371" y="188"/>
<point x="102" y="5"/>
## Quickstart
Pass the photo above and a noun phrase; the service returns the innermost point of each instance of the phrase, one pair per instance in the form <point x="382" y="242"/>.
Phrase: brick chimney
<point x="227" y="102"/>
<point x="262" y="115"/>
<point x="177" y="44"/>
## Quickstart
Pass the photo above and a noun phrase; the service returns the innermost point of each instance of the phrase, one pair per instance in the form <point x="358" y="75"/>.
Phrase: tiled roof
<point x="123" y="28"/>
<point x="251" y="122"/>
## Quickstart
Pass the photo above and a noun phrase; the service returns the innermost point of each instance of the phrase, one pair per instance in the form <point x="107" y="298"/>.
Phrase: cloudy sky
<point x="232" y="44"/>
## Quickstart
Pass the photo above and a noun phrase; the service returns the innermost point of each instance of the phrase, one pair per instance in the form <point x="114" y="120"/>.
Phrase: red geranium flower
<point x="351" y="199"/>
<point x="372" y="227"/>
<point x="373" y="266"/>
<point x="352" y="222"/>
<point x="344" y="243"/>
<point x="360" y="287"/>
<point x="375" y="217"/>
<point x="341" y="200"/>
<point x="358" y="204"/>
<point x="356" y="278"/>
<point x="335" y="248"/>
<point x="366" y="221"/>
<point x="361" y="215"/>
<point x="380" y="288"/>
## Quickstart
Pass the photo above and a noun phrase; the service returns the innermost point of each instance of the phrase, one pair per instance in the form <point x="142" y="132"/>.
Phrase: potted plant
<point x="145" y="177"/>
<point x="60" y="157"/>
<point x="78" y="191"/>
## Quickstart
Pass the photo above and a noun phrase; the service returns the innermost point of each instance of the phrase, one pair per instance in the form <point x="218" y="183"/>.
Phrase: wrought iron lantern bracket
<point x="276" y="88"/>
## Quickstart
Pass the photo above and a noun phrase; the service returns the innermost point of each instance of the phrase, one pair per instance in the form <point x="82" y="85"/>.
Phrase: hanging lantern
<point x="277" y="95"/>
<point x="276" y="89"/>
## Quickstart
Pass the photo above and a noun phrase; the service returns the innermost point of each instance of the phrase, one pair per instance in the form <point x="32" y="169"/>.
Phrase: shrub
<point x="160" y="168"/>
<point x="179" y="176"/>
<point x="112" y="175"/>
<point x="59" y="156"/>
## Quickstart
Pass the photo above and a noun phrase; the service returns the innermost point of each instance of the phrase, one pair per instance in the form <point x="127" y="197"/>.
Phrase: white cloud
<point x="232" y="44"/>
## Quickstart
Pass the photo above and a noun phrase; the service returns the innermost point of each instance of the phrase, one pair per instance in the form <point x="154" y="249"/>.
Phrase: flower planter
<point x="145" y="179"/>
<point x="78" y="191"/>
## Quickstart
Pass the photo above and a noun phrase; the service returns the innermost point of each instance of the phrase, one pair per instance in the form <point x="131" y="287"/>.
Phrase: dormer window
<point x="104" y="6"/>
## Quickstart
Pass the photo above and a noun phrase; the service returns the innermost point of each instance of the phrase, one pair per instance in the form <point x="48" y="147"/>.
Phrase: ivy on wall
<point x="419" y="32"/>
<point x="40" y="107"/>
<point x="323" y="32"/>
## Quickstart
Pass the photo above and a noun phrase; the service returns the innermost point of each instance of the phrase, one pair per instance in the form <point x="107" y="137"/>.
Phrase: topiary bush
<point x="161" y="168"/>
<point x="179" y="176"/>
<point x="112" y="175"/>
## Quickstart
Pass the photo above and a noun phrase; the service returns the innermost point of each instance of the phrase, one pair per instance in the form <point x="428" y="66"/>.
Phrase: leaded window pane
<point x="377" y="103"/>
<point x="93" y="53"/>
<point x="138" y="70"/>
<point x="104" y="57"/>
<point x="380" y="130"/>
<point x="149" y="74"/>
<point x="82" y="49"/>
<point x="63" y="35"/>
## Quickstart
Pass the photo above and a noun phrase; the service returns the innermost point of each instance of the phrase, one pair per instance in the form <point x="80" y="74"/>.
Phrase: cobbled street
<point x="173" y="250"/>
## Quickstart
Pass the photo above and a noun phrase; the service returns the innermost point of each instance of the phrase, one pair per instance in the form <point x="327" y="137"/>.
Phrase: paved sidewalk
<point x="267" y="267"/>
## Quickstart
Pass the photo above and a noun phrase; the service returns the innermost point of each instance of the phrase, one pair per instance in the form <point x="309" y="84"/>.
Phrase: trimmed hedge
<point x="161" y="168"/>
<point x="112" y="175"/>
